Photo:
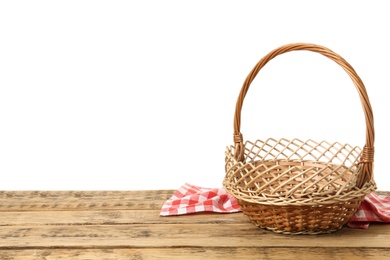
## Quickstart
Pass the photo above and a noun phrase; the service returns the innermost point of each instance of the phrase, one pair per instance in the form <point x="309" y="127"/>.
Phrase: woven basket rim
<point x="308" y="201"/>
<point x="350" y="190"/>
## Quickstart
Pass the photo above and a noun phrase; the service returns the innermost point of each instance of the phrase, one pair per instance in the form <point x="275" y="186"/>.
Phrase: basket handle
<point x="367" y="157"/>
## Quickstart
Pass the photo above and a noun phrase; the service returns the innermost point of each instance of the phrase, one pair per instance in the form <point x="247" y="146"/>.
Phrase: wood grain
<point x="127" y="225"/>
<point x="199" y="253"/>
<point x="82" y="200"/>
<point x="112" y="217"/>
<point x="181" y="235"/>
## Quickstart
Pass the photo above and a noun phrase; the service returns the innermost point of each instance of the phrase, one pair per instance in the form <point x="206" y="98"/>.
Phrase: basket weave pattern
<point x="297" y="187"/>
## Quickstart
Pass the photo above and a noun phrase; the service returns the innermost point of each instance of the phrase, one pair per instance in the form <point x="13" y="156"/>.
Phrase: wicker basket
<point x="294" y="186"/>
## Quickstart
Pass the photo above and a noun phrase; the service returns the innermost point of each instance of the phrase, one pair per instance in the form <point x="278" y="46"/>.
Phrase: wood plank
<point x="182" y="235"/>
<point x="199" y="253"/>
<point x="82" y="200"/>
<point x="85" y="200"/>
<point x="112" y="217"/>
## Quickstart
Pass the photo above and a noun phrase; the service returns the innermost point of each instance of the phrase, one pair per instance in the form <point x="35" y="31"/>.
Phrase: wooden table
<point x="126" y="225"/>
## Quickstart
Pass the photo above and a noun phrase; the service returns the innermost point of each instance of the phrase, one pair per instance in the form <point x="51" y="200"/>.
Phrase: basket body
<point x="294" y="186"/>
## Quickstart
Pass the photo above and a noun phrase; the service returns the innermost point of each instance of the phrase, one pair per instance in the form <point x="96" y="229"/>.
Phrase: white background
<point x="125" y="95"/>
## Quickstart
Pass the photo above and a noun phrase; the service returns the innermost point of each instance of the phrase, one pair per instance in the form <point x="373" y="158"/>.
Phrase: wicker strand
<point x="366" y="159"/>
<point x="239" y="146"/>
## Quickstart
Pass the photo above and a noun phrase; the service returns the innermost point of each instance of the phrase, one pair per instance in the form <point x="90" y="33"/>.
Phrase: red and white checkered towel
<point x="374" y="208"/>
<point x="191" y="199"/>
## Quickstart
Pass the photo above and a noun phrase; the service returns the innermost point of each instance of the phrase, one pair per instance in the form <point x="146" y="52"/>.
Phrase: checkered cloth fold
<point x="192" y="199"/>
<point x="374" y="208"/>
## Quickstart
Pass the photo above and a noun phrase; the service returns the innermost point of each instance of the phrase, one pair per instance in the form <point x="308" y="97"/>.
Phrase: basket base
<point x="296" y="220"/>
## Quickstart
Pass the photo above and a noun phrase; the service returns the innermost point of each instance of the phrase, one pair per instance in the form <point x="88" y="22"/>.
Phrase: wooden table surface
<point x="126" y="225"/>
